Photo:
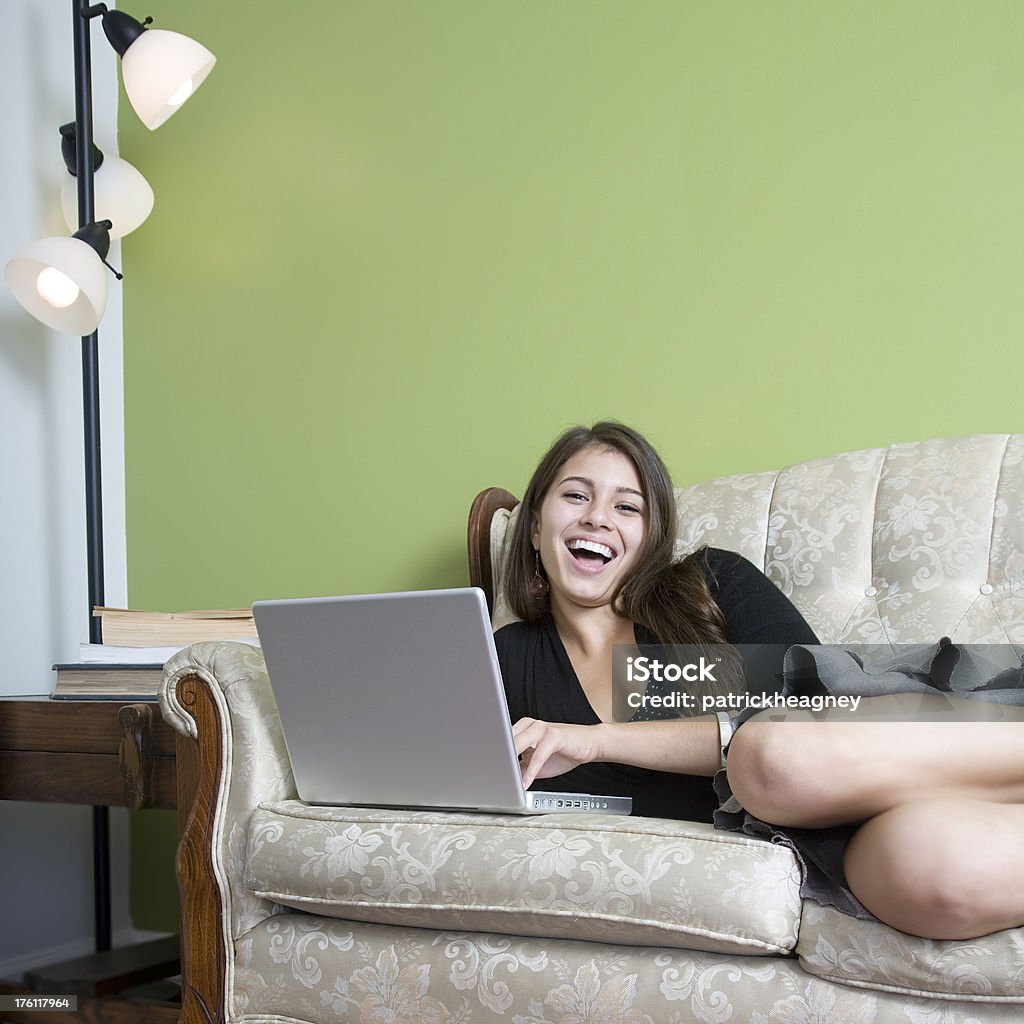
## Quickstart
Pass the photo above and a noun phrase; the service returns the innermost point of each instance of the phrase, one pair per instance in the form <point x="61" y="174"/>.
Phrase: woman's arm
<point x="689" y="746"/>
<point x="756" y="613"/>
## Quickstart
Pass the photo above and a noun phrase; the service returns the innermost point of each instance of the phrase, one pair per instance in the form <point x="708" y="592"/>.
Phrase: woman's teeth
<point x="590" y="549"/>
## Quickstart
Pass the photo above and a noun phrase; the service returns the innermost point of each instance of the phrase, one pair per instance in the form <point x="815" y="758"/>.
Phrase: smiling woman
<point x="886" y="819"/>
<point x="591" y="566"/>
<point x="590" y="528"/>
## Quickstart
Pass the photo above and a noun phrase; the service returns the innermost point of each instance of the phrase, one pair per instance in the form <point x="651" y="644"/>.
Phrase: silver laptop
<point x="395" y="700"/>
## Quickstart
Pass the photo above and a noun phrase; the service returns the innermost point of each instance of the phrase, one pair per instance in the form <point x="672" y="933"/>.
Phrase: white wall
<point x="45" y="852"/>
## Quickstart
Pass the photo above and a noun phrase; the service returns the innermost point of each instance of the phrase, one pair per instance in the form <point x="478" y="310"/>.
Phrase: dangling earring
<point x="538" y="585"/>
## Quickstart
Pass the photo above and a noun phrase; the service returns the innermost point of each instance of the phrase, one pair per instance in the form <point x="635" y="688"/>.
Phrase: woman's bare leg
<point x="815" y="771"/>
<point x="944" y="868"/>
<point x="939" y="853"/>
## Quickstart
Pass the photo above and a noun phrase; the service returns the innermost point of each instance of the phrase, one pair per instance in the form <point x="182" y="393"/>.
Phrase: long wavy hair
<point x="669" y="598"/>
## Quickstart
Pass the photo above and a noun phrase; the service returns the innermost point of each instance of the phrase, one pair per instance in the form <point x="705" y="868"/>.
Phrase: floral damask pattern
<point x="588" y="1000"/>
<point x="586" y="876"/>
<point x="854" y="952"/>
<point x="377" y="973"/>
<point x="890" y="545"/>
<point x="387" y="991"/>
<point x="482" y="964"/>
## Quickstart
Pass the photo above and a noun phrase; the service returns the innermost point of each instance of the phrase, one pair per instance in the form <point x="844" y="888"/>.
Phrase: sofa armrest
<point x="219" y="695"/>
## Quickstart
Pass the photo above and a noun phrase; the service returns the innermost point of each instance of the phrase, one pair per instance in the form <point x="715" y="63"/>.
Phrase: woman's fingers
<point x="529" y="735"/>
<point x="547" y="749"/>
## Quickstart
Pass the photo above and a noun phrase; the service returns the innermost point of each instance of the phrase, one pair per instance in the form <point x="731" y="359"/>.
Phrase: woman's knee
<point x="935" y="869"/>
<point x="778" y="771"/>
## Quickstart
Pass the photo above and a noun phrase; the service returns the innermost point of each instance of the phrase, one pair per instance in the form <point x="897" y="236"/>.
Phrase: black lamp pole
<point x="84" y="172"/>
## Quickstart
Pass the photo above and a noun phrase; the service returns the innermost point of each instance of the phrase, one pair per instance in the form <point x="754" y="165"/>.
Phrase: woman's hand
<point x="689" y="746"/>
<point x="547" y="749"/>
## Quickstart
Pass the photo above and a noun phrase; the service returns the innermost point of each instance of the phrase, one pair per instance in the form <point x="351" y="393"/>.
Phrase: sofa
<point x="294" y="912"/>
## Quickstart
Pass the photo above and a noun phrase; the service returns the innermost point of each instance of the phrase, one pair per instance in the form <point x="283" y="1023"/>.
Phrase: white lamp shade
<point x="161" y="70"/>
<point x="120" y="194"/>
<point x="81" y="267"/>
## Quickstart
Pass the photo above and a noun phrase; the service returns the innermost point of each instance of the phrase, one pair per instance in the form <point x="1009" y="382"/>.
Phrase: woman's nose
<point x="595" y="514"/>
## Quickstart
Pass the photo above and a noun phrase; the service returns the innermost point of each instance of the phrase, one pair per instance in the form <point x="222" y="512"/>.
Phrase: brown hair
<point x="670" y="598"/>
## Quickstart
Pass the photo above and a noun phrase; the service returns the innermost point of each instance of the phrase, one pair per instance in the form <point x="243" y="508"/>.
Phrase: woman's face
<point x="590" y="527"/>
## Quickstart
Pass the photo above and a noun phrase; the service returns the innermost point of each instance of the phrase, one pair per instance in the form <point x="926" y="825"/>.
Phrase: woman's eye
<point x="629" y="508"/>
<point x="575" y="496"/>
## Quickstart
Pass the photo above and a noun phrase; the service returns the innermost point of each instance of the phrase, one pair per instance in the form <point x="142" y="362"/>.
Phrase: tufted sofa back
<point x="887" y="545"/>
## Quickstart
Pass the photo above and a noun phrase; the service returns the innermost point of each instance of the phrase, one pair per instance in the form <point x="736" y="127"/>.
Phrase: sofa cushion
<point x="631" y="880"/>
<point x="867" y="954"/>
<point x="297" y="968"/>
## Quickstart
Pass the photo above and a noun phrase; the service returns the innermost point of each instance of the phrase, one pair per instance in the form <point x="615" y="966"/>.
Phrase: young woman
<point x="591" y="565"/>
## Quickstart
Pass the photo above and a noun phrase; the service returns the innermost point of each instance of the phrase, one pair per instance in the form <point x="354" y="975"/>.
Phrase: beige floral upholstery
<point x="867" y="954"/>
<point x="298" y="966"/>
<point x="356" y="915"/>
<point x="586" y="876"/>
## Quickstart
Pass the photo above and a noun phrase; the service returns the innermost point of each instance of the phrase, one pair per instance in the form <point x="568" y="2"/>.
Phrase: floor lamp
<point x="62" y="281"/>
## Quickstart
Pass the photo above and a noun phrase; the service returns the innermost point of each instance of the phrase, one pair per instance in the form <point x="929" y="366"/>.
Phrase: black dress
<point x="540" y="683"/>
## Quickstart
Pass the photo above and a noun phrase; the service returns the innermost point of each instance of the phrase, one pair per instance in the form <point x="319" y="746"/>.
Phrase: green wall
<point x="397" y="247"/>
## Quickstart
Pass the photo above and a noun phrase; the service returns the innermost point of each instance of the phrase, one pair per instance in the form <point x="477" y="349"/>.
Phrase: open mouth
<point x="590" y="552"/>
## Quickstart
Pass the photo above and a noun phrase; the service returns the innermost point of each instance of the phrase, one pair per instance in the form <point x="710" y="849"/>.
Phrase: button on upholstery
<point x="986" y="588"/>
<point x="871" y="591"/>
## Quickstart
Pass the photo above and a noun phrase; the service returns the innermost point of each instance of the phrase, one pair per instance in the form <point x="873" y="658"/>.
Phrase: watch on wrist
<point x="725" y="731"/>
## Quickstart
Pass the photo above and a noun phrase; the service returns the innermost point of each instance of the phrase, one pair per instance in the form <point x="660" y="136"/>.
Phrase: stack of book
<point x="129" y="662"/>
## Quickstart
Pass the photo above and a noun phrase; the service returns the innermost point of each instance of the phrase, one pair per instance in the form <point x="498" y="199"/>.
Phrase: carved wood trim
<point x="134" y="754"/>
<point x="485" y="504"/>
<point x="203" y="952"/>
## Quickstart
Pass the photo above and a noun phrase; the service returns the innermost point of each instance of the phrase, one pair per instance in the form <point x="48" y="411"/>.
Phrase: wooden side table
<point x="103" y="753"/>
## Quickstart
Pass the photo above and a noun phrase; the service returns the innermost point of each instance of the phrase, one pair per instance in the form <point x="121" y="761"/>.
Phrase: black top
<point x="540" y="683"/>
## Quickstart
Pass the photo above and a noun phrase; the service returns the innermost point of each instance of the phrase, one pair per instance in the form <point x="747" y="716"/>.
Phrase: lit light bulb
<point x="56" y="288"/>
<point x="181" y="94"/>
